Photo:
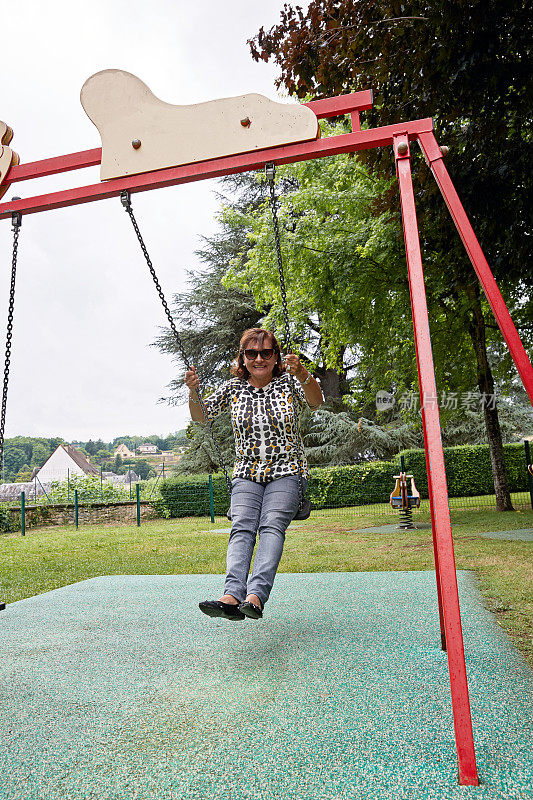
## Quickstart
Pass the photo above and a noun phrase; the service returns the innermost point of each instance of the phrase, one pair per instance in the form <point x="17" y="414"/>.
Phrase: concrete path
<point x="118" y="688"/>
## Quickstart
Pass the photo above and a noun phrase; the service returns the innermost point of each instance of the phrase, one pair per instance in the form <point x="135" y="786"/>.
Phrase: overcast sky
<point x="86" y="311"/>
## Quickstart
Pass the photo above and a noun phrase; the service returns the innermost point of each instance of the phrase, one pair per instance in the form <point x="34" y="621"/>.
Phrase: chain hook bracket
<point x="125" y="199"/>
<point x="16" y="217"/>
<point x="270" y="171"/>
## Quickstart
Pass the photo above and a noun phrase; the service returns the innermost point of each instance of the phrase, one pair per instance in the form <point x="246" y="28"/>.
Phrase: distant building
<point x="123" y="451"/>
<point x="65" y="461"/>
<point x="120" y="480"/>
<point x="148" y="449"/>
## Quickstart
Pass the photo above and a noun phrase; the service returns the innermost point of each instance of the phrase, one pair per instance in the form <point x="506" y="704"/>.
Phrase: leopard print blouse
<point x="263" y="427"/>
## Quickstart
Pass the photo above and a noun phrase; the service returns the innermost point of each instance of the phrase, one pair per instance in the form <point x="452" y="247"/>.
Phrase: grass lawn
<point x="47" y="558"/>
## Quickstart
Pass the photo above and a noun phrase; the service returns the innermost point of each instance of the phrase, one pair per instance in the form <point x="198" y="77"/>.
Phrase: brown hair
<point x="239" y="369"/>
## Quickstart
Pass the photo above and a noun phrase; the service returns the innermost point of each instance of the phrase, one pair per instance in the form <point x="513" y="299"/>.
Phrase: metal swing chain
<point x="16" y="221"/>
<point x="125" y="199"/>
<point x="270" y="172"/>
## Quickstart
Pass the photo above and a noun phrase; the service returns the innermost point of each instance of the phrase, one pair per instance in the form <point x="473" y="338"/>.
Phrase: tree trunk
<point x="330" y="382"/>
<point x="490" y="410"/>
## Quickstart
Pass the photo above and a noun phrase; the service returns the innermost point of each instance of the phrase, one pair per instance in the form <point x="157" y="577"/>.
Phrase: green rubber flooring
<point x="119" y="688"/>
<point x="522" y="534"/>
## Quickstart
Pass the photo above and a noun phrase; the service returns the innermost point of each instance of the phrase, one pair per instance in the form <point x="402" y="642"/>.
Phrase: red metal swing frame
<point x="399" y="136"/>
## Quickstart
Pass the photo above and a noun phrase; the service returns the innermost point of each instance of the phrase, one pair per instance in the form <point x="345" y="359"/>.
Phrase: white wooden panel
<point x="125" y="111"/>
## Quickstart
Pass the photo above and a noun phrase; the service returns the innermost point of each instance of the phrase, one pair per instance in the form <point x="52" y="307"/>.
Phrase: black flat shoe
<point x="250" y="610"/>
<point x="216" y="608"/>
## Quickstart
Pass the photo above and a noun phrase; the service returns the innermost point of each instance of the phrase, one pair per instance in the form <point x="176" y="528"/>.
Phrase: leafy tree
<point x="143" y="468"/>
<point x="468" y="426"/>
<point x="344" y="278"/>
<point x="468" y="66"/>
<point x="24" y="474"/>
<point x="40" y="454"/>
<point x="118" y="469"/>
<point x="211" y="317"/>
<point x="201" y="455"/>
<point x="341" y="438"/>
<point x="14" y="460"/>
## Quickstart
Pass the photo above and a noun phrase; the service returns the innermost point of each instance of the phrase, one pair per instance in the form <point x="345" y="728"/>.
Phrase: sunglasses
<point x="265" y="354"/>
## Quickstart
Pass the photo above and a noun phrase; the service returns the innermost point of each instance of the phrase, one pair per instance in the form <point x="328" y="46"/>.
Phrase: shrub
<point x="468" y="469"/>
<point x="468" y="473"/>
<point x="188" y="496"/>
<point x="330" y="487"/>
<point x="360" y="484"/>
<point x="7" y="522"/>
<point x="90" y="490"/>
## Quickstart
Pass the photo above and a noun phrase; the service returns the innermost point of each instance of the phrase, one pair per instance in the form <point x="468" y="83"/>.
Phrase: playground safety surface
<point x="521" y="534"/>
<point x="118" y="687"/>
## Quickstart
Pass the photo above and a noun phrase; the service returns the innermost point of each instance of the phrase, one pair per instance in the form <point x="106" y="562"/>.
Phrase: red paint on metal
<point x="214" y="168"/>
<point x="342" y="104"/>
<point x="435" y="549"/>
<point x="433" y="156"/>
<point x="356" y="122"/>
<point x="52" y="166"/>
<point x="437" y="475"/>
<point x="331" y="107"/>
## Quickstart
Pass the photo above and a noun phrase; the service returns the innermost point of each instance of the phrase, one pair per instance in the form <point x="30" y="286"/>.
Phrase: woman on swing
<point x="264" y="496"/>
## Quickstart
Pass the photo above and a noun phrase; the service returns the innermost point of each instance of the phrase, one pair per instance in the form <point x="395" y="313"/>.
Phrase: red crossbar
<point x="331" y="107"/>
<point x="342" y="104"/>
<point x="213" y="168"/>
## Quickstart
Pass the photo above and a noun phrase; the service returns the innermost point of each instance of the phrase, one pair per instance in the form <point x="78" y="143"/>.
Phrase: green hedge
<point x="468" y="472"/>
<point x="358" y="485"/>
<point x="468" y="469"/>
<point x="188" y="496"/>
<point x="333" y="487"/>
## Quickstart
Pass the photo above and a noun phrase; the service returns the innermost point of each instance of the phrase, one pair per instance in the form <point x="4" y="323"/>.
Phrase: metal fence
<point x="100" y="502"/>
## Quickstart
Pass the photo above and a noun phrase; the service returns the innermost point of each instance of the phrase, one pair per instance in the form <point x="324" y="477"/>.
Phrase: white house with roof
<point x="65" y="461"/>
<point x="148" y="449"/>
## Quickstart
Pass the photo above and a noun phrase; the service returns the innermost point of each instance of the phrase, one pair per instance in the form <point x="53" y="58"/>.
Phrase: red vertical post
<point x="436" y="473"/>
<point x="435" y="551"/>
<point x="433" y="156"/>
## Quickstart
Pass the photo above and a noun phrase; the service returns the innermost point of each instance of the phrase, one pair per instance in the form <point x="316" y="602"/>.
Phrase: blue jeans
<point x="267" y="510"/>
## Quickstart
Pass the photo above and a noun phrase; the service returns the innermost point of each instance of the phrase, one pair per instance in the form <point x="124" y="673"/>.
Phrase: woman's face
<point x="260" y="358"/>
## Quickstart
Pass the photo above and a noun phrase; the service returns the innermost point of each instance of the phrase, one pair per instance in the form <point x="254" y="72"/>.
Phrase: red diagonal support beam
<point x="436" y="473"/>
<point x="433" y="156"/>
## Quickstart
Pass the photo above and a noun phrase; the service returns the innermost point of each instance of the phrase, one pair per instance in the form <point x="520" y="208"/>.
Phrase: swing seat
<point x="414" y="497"/>
<point x="304" y="511"/>
<point x="396" y="495"/>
